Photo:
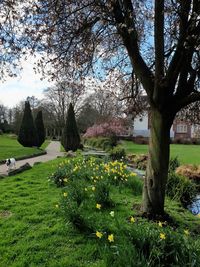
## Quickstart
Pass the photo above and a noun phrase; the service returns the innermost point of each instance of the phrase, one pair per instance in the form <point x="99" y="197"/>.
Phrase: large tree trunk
<point x="157" y="167"/>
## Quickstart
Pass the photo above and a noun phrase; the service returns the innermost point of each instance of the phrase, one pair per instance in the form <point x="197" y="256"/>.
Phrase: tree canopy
<point x="119" y="34"/>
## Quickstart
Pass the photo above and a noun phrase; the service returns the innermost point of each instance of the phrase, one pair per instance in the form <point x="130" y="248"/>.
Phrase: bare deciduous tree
<point x="59" y="96"/>
<point x="3" y="112"/>
<point x="159" y="41"/>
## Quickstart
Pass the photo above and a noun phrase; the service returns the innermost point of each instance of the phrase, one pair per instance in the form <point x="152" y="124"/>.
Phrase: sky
<point x="28" y="83"/>
<point x="14" y="90"/>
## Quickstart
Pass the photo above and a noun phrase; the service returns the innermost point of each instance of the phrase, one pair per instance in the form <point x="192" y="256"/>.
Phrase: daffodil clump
<point x="87" y="186"/>
<point x="92" y="202"/>
<point x="136" y="240"/>
<point x="117" y="172"/>
<point x="92" y="170"/>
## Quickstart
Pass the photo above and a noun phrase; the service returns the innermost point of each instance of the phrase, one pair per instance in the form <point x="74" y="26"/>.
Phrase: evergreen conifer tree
<point x="39" y="124"/>
<point x="27" y="134"/>
<point x="71" y="138"/>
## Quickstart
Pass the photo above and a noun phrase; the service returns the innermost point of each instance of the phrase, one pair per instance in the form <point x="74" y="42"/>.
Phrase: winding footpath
<point x="53" y="151"/>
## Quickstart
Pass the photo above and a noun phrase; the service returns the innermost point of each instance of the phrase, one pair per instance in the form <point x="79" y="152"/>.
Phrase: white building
<point x="141" y="126"/>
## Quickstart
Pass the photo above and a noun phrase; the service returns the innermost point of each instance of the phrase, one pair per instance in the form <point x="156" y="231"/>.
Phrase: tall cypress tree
<point x="39" y="124"/>
<point x="27" y="134"/>
<point x="71" y="138"/>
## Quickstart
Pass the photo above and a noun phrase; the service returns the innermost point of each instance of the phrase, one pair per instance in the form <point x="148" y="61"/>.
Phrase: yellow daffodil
<point x="98" y="206"/>
<point x="111" y="238"/>
<point x="99" y="234"/>
<point x="133" y="174"/>
<point x="65" y="180"/>
<point x="186" y="232"/>
<point x="112" y="213"/>
<point x="160" y="224"/>
<point x="75" y="168"/>
<point x="65" y="194"/>
<point x="132" y="220"/>
<point x="162" y="236"/>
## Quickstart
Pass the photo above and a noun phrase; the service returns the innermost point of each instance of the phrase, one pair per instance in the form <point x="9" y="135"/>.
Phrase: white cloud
<point x="13" y="90"/>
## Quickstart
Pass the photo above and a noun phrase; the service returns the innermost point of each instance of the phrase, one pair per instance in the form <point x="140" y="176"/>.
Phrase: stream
<point x="194" y="207"/>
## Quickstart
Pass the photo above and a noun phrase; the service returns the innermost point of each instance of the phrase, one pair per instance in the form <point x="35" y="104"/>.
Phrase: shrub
<point x="104" y="143"/>
<point x="195" y="141"/>
<point x="138" y="161"/>
<point x="141" y="140"/>
<point x="59" y="177"/>
<point x="99" y="142"/>
<point x="136" y="185"/>
<point x="113" y="140"/>
<point x="186" y="142"/>
<point x="90" y="142"/>
<point x="182" y="141"/>
<point x="190" y="171"/>
<point x="117" y="153"/>
<point x="5" y="127"/>
<point x="174" y="163"/>
<point x="28" y="134"/>
<point x="71" y="138"/>
<point x="180" y="188"/>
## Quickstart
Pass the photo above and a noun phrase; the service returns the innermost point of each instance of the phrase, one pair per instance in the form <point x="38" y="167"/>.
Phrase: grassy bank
<point x="187" y="154"/>
<point x="32" y="231"/>
<point x="35" y="230"/>
<point x="9" y="147"/>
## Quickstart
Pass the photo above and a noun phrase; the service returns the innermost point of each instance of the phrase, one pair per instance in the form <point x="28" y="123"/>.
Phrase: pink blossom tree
<point x="107" y="129"/>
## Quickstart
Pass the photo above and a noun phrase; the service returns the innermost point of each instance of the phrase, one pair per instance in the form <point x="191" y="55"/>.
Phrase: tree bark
<point x="157" y="166"/>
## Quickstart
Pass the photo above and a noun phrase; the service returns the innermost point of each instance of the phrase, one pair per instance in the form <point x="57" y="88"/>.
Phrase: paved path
<point x="53" y="151"/>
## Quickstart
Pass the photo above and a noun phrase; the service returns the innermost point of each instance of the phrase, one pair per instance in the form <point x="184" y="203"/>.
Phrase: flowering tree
<point x="156" y="42"/>
<point x="110" y="128"/>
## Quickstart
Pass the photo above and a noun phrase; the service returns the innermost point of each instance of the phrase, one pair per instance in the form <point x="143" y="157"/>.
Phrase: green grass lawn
<point x="187" y="154"/>
<point x="9" y="147"/>
<point x="34" y="232"/>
